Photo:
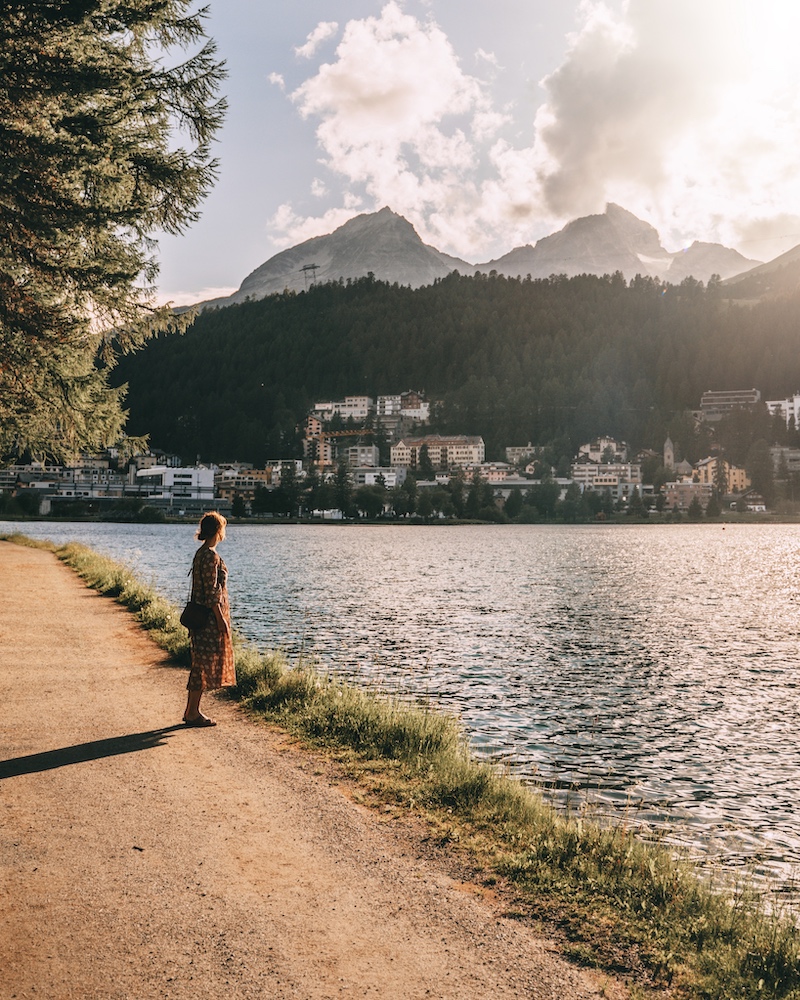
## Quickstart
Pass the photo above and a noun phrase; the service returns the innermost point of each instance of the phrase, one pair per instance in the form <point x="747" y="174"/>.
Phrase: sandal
<point x="201" y="722"/>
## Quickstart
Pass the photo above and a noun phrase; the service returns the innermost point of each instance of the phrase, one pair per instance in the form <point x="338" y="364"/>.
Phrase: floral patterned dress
<point x="212" y="650"/>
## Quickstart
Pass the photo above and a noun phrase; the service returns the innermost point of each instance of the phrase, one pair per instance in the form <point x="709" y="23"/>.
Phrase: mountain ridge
<point x="386" y="245"/>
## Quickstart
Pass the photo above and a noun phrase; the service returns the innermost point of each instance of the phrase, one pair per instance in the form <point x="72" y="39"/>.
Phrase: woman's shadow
<point x="82" y="752"/>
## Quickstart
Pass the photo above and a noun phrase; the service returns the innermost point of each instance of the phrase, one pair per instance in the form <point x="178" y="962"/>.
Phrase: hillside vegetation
<point x="557" y="359"/>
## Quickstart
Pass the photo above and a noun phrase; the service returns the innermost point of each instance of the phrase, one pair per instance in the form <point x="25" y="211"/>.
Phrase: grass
<point x="622" y="906"/>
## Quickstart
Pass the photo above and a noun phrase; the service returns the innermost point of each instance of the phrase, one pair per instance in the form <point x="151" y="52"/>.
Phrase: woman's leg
<point x="192" y="706"/>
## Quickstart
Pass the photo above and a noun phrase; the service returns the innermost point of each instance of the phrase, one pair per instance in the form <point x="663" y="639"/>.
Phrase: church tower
<point x="669" y="454"/>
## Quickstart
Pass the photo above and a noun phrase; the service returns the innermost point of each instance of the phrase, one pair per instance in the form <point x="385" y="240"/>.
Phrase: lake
<point x="647" y="670"/>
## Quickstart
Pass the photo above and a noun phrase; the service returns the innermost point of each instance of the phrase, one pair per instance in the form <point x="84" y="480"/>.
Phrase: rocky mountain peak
<point x="387" y="245"/>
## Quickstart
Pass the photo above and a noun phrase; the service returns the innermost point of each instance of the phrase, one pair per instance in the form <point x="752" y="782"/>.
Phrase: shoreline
<point x="725" y="520"/>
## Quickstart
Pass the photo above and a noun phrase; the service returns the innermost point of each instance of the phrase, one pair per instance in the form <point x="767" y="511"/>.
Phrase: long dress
<point x="212" y="650"/>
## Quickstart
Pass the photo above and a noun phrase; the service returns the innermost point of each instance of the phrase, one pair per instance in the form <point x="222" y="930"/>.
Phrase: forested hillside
<point x="512" y="360"/>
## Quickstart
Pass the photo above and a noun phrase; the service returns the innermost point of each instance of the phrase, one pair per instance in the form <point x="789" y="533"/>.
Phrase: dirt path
<point x="140" y="859"/>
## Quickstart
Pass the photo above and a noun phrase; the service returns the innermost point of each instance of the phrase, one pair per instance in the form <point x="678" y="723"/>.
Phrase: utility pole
<point x="313" y="268"/>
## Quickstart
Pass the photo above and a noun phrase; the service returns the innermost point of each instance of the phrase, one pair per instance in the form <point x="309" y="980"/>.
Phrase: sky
<point x="489" y="124"/>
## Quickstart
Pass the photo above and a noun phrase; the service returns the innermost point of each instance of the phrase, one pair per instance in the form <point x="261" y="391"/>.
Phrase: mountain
<point x="381" y="242"/>
<point x="616" y="241"/>
<point x="776" y="278"/>
<point x="387" y="245"/>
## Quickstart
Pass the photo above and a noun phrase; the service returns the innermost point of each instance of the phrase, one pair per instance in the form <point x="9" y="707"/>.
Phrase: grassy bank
<point x="615" y="903"/>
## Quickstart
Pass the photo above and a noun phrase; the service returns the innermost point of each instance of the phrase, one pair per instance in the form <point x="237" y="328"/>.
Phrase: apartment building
<point x="358" y="455"/>
<point x="443" y="452"/>
<point x="620" y="478"/>
<point x="177" y="485"/>
<point x="788" y="408"/>
<point x="603" y="447"/>
<point x="678" y="496"/>
<point x="492" y="472"/>
<point x="356" y="408"/>
<point x="736" y="479"/>
<point x="715" y="404"/>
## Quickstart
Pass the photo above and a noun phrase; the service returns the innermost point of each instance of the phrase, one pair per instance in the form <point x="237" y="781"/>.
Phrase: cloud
<point x="686" y="113"/>
<point x="323" y="31"/>
<point x="487" y="57"/>
<point x="278" y="80"/>
<point x="398" y="118"/>
<point x="630" y="88"/>
<point x="287" y="228"/>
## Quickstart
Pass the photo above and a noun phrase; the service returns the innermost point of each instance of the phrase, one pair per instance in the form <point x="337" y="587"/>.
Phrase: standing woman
<point x="212" y="650"/>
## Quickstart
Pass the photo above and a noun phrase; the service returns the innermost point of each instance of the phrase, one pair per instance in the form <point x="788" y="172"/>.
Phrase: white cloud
<point x="686" y="113"/>
<point x="323" y="31"/>
<point x="487" y="57"/>
<point x="398" y="117"/>
<point x="287" y="228"/>
<point x="278" y="80"/>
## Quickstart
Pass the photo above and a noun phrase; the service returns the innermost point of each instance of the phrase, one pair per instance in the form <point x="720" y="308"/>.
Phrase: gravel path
<point x="140" y="859"/>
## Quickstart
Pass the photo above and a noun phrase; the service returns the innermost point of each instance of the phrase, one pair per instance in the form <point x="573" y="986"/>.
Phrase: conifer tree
<point x="105" y="140"/>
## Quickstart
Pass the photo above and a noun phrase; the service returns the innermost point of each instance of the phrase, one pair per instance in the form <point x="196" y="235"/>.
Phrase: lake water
<point x="647" y="670"/>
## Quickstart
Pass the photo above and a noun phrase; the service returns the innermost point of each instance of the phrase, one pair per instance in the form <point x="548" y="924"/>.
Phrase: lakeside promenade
<point x="142" y="859"/>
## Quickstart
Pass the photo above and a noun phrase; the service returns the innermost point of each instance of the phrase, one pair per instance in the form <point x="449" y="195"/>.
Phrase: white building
<point x="409" y="405"/>
<point x="595" y="450"/>
<point x="357" y="408"/>
<point x="788" y="408"/>
<point x="389" y="406"/>
<point x="620" y="478"/>
<point x="189" y="483"/>
<point x="361" y="454"/>
<point x="370" y="476"/>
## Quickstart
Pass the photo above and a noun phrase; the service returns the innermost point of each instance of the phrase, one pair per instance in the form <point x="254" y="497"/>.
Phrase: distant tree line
<point x="555" y="361"/>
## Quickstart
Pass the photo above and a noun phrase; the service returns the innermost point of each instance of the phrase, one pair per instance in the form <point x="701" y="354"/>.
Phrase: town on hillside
<point x="374" y="458"/>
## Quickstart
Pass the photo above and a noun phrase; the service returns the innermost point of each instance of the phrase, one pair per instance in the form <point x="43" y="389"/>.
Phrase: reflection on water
<point x="648" y="668"/>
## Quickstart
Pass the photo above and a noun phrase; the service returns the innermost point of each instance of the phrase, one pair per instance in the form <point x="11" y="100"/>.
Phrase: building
<point x="232" y="481"/>
<point x="791" y="456"/>
<point x="736" y="480"/>
<point x="789" y="409"/>
<point x="182" y="487"/>
<point x="516" y="454"/>
<point x="492" y="472"/>
<point x="619" y="478"/>
<point x="443" y="452"/>
<point x="356" y="408"/>
<point x="414" y="407"/>
<point x="358" y="455"/>
<point x="388" y="406"/>
<point x="597" y="451"/>
<point x="401" y="414"/>
<point x="714" y="405"/>
<point x="678" y="496"/>
<point x="372" y="476"/>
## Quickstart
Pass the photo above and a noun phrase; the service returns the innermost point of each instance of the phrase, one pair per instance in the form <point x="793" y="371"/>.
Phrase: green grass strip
<point x="617" y="903"/>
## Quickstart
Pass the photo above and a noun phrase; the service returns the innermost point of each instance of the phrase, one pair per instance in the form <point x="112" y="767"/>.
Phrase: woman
<point x="212" y="650"/>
